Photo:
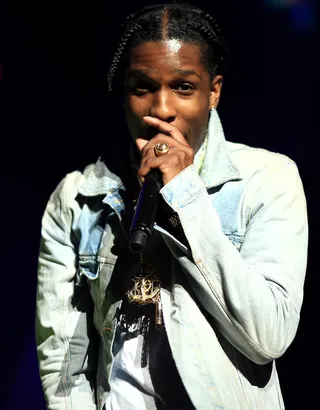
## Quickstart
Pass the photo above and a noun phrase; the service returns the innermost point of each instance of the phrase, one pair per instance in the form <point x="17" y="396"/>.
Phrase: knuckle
<point x="144" y="151"/>
<point x="190" y="151"/>
<point x="157" y="138"/>
<point x="148" y="161"/>
<point x="176" y="159"/>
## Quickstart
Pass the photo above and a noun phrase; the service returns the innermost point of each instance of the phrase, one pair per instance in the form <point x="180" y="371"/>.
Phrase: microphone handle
<point x="143" y="220"/>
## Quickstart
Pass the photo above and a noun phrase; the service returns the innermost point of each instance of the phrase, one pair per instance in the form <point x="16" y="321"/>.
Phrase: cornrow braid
<point x="186" y="23"/>
<point x="119" y="53"/>
<point x="213" y="22"/>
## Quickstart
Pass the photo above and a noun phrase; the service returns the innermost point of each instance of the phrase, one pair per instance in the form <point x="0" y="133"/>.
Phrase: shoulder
<point x="63" y="203"/>
<point x="93" y="181"/>
<point x="251" y="160"/>
<point x="70" y="186"/>
<point x="266" y="172"/>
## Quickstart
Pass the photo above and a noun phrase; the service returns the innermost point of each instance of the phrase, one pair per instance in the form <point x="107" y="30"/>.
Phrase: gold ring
<point x="161" y="149"/>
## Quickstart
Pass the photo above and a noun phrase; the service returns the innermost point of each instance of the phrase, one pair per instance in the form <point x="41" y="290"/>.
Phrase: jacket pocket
<point x="98" y="257"/>
<point x="91" y="266"/>
<point x="88" y="267"/>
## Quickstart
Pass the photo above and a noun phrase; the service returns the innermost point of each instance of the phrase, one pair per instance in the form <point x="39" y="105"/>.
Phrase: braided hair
<point x="182" y="22"/>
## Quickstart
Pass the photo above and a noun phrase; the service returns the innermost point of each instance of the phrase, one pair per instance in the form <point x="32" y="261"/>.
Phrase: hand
<point x="179" y="157"/>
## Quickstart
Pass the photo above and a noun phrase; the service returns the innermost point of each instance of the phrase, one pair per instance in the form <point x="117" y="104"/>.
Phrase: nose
<point x="163" y="106"/>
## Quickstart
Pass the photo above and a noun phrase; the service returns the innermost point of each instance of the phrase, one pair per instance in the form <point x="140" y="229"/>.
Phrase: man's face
<point x="169" y="81"/>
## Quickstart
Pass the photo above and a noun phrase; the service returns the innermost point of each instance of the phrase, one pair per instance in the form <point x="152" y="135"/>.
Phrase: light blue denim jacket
<point x="237" y="288"/>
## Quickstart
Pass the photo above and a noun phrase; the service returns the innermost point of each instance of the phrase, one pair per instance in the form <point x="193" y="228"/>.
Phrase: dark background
<point x="54" y="119"/>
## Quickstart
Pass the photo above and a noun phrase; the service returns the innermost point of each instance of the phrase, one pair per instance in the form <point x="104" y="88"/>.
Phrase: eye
<point x="139" y="91"/>
<point x="139" y="87"/>
<point x="184" y="88"/>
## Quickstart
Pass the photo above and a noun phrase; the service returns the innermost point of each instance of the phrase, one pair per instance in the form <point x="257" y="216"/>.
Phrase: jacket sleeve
<point x="255" y="295"/>
<point x="63" y="321"/>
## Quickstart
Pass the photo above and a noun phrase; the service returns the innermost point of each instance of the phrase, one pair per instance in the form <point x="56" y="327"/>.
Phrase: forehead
<point x="168" y="53"/>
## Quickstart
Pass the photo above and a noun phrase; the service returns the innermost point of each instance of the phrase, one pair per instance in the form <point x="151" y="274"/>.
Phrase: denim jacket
<point x="237" y="287"/>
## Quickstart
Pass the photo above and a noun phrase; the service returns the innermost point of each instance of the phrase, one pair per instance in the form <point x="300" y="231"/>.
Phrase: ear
<point x="216" y="86"/>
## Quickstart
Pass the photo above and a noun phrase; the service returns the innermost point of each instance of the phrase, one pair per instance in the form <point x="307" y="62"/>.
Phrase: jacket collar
<point x="217" y="169"/>
<point x="100" y="181"/>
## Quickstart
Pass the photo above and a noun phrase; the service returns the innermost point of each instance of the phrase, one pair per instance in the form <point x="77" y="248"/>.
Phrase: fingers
<point x="171" y="142"/>
<point x="165" y="131"/>
<point x="140" y="143"/>
<point x="180" y="153"/>
<point x="169" y="165"/>
<point x="166" y="128"/>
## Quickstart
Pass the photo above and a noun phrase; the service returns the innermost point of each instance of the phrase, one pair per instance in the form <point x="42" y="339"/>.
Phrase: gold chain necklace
<point x="146" y="290"/>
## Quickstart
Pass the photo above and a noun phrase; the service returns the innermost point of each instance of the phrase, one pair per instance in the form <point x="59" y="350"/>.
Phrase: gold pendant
<point x="146" y="290"/>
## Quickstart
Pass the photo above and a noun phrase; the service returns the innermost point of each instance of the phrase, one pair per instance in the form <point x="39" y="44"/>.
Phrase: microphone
<point x="142" y="223"/>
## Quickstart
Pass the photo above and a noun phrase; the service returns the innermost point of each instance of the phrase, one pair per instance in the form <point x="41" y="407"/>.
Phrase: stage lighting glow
<point x="303" y="15"/>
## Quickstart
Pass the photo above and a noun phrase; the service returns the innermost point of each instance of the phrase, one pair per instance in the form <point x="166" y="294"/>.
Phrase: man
<point x="197" y="319"/>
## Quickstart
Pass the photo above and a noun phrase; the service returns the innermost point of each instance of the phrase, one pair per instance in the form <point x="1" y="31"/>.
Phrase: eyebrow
<point x="146" y="71"/>
<point x="186" y="73"/>
<point x="140" y="71"/>
<point x="142" y="74"/>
